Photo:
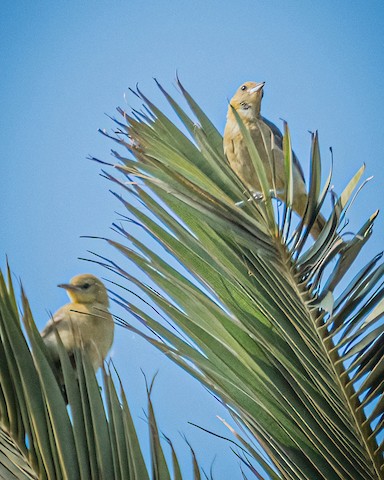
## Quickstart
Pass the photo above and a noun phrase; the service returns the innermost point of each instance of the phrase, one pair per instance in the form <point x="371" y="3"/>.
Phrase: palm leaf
<point x="39" y="436"/>
<point x="263" y="317"/>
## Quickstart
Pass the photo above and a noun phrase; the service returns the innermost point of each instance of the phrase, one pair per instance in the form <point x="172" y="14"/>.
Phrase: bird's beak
<point x="257" y="87"/>
<point x="68" y="286"/>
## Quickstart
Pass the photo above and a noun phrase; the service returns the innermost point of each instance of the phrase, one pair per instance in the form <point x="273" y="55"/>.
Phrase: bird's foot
<point x="258" y="196"/>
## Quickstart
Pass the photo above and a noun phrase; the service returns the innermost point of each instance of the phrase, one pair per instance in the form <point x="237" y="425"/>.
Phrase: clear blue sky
<point x="65" y="64"/>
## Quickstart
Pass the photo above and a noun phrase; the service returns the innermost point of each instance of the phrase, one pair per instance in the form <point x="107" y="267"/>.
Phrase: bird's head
<point x="86" y="288"/>
<point x="247" y="99"/>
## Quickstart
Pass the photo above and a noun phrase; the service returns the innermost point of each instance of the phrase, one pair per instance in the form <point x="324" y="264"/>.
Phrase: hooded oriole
<point x="269" y="143"/>
<point x="85" y="323"/>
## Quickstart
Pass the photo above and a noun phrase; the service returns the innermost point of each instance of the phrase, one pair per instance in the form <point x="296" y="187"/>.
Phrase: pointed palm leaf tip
<point x="282" y="330"/>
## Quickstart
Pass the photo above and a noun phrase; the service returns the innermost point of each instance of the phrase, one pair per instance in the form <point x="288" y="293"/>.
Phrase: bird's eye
<point x="244" y="87"/>
<point x="85" y="286"/>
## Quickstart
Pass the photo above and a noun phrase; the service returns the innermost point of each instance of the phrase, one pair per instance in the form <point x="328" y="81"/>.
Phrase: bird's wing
<point x="59" y="321"/>
<point x="279" y="142"/>
<point x="51" y="324"/>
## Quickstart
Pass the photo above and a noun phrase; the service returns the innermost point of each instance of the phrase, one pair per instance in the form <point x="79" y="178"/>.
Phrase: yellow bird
<point x="85" y="323"/>
<point x="269" y="143"/>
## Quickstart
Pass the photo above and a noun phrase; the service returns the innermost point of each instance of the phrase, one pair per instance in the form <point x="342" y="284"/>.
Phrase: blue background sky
<point x="65" y="64"/>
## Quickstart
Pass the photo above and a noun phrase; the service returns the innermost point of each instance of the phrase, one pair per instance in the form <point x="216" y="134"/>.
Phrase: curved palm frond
<point x="40" y="437"/>
<point x="266" y="319"/>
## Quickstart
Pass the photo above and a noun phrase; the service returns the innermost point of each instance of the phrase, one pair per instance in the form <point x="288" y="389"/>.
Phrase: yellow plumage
<point x="85" y="323"/>
<point x="268" y="140"/>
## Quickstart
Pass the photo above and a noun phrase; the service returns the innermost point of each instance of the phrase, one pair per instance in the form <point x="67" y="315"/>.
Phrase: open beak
<point x="257" y="87"/>
<point x="68" y="286"/>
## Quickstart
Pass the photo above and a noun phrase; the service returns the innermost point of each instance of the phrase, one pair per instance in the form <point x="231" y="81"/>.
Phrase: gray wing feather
<point x="55" y="321"/>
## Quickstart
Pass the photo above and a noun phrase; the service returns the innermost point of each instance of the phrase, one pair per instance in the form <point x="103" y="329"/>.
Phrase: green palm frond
<point x="266" y="319"/>
<point x="13" y="462"/>
<point x="40" y="437"/>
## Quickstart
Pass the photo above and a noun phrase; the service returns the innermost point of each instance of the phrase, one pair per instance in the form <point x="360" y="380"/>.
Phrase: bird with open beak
<point x="268" y="140"/>
<point x="85" y="323"/>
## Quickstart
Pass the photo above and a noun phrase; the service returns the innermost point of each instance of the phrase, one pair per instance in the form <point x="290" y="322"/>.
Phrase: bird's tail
<point x="299" y="207"/>
<point x="318" y="226"/>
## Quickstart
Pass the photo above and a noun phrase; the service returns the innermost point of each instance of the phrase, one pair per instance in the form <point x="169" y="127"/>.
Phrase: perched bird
<point x="84" y="324"/>
<point x="269" y="143"/>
